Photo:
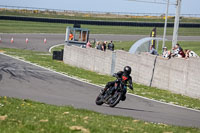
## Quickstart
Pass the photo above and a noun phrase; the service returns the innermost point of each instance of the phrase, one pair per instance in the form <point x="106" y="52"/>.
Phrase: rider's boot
<point x="123" y="97"/>
<point x="103" y="91"/>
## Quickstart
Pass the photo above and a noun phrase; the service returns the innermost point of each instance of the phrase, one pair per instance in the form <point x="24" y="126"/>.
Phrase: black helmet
<point x="127" y="70"/>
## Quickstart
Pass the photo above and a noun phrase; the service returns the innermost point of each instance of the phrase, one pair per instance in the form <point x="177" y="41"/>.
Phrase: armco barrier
<point x="97" y="22"/>
<point x="177" y="75"/>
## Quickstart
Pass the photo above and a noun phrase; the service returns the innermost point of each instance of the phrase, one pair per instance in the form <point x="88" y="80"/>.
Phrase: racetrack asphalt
<point x="24" y="80"/>
<point x="36" y="40"/>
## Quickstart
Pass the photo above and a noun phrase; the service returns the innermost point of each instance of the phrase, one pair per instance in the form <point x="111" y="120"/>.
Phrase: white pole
<point x="165" y="28"/>
<point x="176" y="23"/>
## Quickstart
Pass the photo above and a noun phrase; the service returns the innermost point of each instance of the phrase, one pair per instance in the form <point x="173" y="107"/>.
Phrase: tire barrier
<point x="58" y="55"/>
<point x="97" y="22"/>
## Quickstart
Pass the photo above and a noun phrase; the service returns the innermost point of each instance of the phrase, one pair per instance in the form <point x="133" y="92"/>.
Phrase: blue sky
<point x="188" y="6"/>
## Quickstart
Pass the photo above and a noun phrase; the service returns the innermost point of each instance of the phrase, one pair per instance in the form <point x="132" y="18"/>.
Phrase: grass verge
<point x="21" y="115"/>
<point x="95" y="78"/>
<point x="7" y="26"/>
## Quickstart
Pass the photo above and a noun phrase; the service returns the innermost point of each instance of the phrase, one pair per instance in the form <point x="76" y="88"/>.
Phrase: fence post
<point x="153" y="70"/>
<point x="113" y="63"/>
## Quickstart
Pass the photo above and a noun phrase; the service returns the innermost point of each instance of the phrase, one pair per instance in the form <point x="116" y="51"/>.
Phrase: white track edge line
<point x="54" y="47"/>
<point x="164" y="102"/>
<point x="97" y="85"/>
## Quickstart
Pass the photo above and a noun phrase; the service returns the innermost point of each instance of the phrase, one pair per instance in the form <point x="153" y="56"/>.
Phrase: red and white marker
<point x="12" y="40"/>
<point x="45" y="40"/>
<point x="26" y="40"/>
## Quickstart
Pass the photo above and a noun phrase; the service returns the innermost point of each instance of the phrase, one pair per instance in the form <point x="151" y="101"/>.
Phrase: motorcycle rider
<point x="125" y="77"/>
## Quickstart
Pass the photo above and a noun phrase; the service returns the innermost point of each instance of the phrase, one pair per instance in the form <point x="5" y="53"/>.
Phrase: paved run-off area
<point x="36" y="40"/>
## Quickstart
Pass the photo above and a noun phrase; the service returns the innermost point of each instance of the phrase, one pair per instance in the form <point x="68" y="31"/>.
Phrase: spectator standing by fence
<point x="178" y="51"/>
<point x="111" y="46"/>
<point x="166" y="53"/>
<point x="189" y="53"/>
<point x="153" y="51"/>
<point x="104" y="45"/>
<point x="98" y="46"/>
<point x="88" y="45"/>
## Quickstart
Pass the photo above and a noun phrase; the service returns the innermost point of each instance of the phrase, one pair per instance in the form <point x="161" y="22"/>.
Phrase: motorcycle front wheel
<point x="99" y="100"/>
<point x="115" y="99"/>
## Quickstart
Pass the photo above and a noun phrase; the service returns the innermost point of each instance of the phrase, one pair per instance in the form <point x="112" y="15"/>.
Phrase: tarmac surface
<point x="23" y="80"/>
<point x="36" y="41"/>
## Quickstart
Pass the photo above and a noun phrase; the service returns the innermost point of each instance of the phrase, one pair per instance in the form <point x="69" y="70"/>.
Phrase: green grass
<point x="123" y="45"/>
<point x="57" y="48"/>
<point x="92" y="77"/>
<point x="7" y="26"/>
<point x="166" y="96"/>
<point x="30" y="27"/>
<point x="25" y="116"/>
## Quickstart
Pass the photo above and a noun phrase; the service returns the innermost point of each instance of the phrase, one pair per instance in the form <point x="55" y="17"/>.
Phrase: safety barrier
<point x="96" y="22"/>
<point x="177" y="75"/>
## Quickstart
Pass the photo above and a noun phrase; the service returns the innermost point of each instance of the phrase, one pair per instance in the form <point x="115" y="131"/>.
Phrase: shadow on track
<point x="128" y="109"/>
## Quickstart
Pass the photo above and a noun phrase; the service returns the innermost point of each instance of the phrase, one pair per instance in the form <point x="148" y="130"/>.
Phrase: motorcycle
<point x="112" y="95"/>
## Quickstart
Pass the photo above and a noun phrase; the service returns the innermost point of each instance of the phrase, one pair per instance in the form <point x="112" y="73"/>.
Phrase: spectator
<point x="178" y="51"/>
<point x="83" y="46"/>
<point x="88" y="45"/>
<point x="71" y="36"/>
<point x="111" y="46"/>
<point x="189" y="53"/>
<point x="98" y="46"/>
<point x="104" y="45"/>
<point x="153" y="50"/>
<point x="166" y="53"/>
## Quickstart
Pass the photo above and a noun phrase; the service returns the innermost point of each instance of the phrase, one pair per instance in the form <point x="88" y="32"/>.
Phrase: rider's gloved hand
<point x="131" y="87"/>
<point x="114" y="75"/>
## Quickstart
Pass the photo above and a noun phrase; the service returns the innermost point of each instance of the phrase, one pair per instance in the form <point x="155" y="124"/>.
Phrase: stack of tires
<point x="58" y="55"/>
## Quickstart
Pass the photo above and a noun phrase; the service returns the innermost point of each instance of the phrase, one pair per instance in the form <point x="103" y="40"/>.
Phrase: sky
<point x="188" y="6"/>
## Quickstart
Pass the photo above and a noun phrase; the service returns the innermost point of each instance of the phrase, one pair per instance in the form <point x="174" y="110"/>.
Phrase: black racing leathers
<point x="125" y="78"/>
